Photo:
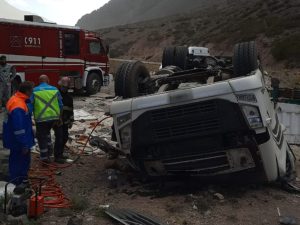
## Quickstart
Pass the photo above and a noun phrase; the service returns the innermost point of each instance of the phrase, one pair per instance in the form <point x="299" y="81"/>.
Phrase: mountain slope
<point x="119" y="12"/>
<point x="274" y="24"/>
<point x="9" y="12"/>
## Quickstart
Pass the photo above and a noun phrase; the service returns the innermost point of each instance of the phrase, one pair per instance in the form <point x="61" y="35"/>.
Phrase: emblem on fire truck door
<point x="15" y="41"/>
<point x="32" y="42"/>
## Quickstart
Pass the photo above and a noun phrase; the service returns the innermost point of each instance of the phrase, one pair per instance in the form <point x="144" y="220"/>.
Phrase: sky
<point x="64" y="12"/>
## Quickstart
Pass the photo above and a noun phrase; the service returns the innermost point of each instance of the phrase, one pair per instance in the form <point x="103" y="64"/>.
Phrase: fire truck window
<point x="95" y="48"/>
<point x="71" y="43"/>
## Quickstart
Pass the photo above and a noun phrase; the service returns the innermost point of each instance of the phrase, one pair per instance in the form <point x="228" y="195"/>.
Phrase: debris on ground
<point x="286" y="220"/>
<point x="129" y="217"/>
<point x="82" y="115"/>
<point x="219" y="196"/>
<point x="86" y="126"/>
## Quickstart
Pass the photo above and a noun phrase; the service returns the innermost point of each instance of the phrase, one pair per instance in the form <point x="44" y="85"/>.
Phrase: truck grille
<point x="183" y="110"/>
<point x="180" y="129"/>
<point x="197" y="118"/>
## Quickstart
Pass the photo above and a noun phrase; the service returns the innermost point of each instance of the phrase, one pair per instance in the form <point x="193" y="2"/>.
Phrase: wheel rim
<point x="95" y="84"/>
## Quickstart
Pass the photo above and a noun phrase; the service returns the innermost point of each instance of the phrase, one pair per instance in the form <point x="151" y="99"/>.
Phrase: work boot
<point x="60" y="160"/>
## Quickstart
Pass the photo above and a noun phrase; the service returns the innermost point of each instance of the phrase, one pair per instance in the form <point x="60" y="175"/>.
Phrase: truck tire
<point x="137" y="76"/>
<point x="181" y="54"/>
<point x="130" y="79"/>
<point x="245" y="58"/>
<point x="93" y="83"/>
<point x="120" y="80"/>
<point x="168" y="58"/>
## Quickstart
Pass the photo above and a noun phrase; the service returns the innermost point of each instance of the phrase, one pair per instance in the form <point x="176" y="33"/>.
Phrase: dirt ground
<point x="179" y="202"/>
<point x="86" y="183"/>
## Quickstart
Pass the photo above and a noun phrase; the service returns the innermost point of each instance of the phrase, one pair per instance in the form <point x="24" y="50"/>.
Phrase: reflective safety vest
<point x="46" y="105"/>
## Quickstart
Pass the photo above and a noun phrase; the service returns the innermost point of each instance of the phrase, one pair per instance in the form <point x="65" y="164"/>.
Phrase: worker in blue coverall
<point x="18" y="134"/>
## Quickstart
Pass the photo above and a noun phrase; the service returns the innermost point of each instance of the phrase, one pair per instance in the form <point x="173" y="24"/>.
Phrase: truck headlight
<point x="125" y="134"/>
<point x="253" y="116"/>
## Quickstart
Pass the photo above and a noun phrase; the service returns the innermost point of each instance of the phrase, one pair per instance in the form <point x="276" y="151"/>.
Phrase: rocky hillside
<point x="274" y="24"/>
<point x="119" y="12"/>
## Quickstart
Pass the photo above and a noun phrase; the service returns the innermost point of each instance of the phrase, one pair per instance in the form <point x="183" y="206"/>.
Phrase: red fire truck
<point x="36" y="48"/>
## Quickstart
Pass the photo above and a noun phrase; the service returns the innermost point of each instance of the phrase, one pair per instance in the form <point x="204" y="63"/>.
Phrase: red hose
<point x="52" y="192"/>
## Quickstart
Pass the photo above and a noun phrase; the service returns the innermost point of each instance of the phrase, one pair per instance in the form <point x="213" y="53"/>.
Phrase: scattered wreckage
<point x="200" y="115"/>
<point x="129" y="217"/>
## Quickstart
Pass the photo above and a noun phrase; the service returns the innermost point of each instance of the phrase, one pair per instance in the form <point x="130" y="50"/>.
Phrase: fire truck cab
<point x="36" y="48"/>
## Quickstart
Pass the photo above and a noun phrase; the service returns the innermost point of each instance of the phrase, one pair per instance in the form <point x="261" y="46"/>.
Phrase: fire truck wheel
<point x="93" y="83"/>
<point x="245" y="58"/>
<point x="168" y="58"/>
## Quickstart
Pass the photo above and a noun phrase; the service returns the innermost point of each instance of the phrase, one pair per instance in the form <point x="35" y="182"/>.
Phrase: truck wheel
<point x="93" y="83"/>
<point x="130" y="80"/>
<point x="136" y="79"/>
<point x="168" y="57"/>
<point x="181" y="54"/>
<point x="120" y="80"/>
<point x="245" y="58"/>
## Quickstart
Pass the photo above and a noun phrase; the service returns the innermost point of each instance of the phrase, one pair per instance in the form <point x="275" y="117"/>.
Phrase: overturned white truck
<point x="201" y="116"/>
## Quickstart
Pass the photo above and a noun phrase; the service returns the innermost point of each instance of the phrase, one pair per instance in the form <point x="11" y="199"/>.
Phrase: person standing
<point x="18" y="134"/>
<point x="7" y="75"/>
<point x="67" y="118"/>
<point x="46" y="106"/>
